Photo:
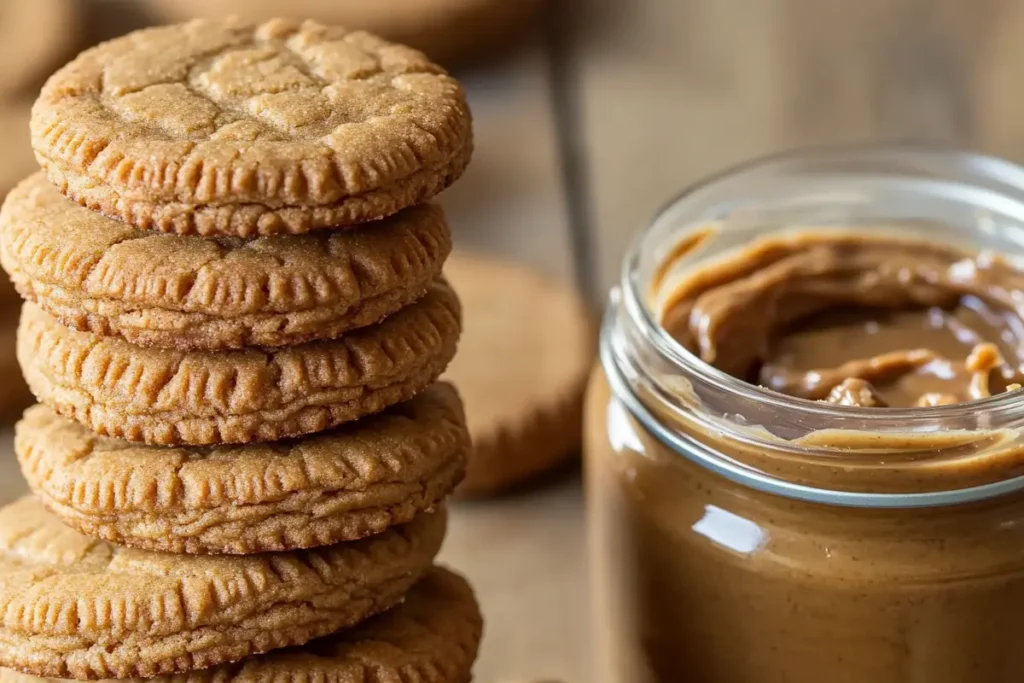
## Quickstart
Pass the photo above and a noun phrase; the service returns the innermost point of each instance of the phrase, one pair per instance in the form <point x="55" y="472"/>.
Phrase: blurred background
<point x="591" y="114"/>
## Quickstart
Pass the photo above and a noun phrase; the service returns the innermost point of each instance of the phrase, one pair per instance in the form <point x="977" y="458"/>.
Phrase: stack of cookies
<point x="235" y="321"/>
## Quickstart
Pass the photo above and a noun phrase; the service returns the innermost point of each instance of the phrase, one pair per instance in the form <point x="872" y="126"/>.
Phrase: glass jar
<point x="732" y="541"/>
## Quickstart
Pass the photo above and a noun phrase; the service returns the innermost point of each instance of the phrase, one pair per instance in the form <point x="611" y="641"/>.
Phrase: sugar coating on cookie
<point x="167" y="397"/>
<point x="433" y="635"/>
<point x="341" y="485"/>
<point x="219" y="126"/>
<point x="213" y="293"/>
<point x="526" y="351"/>
<point x="75" y="607"/>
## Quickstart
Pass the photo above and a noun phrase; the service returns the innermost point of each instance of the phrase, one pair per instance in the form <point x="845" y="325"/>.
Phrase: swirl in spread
<point x="857" y="319"/>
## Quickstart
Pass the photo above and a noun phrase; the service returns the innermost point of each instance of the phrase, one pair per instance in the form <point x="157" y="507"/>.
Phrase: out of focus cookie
<point x="450" y="31"/>
<point x="528" y="343"/>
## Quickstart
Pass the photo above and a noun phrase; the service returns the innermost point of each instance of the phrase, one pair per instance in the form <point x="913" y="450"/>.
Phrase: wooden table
<point x="611" y="110"/>
<point x="623" y="105"/>
<point x="646" y="97"/>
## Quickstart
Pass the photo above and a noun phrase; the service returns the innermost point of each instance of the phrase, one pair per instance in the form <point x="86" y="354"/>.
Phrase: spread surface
<point x="856" y="319"/>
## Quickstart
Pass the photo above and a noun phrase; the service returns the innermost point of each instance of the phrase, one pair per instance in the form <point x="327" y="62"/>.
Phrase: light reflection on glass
<point x="730" y="531"/>
<point x="621" y="433"/>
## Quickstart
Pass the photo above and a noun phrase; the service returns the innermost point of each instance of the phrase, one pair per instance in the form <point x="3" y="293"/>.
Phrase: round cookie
<point x="432" y="636"/>
<point x="34" y="35"/>
<point x="166" y="397"/>
<point x="341" y="485"/>
<point x="75" y="607"/>
<point x="527" y="347"/>
<point x="447" y="30"/>
<point x="206" y="293"/>
<point x="221" y="127"/>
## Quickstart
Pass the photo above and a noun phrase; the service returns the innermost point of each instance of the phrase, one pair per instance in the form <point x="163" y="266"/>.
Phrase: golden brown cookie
<point x="75" y="607"/>
<point x="220" y="127"/>
<point x="206" y="293"/>
<point x="431" y="637"/>
<point x="447" y="30"/>
<point x="34" y="35"/>
<point x="345" y="484"/>
<point x="167" y="397"/>
<point x="527" y="346"/>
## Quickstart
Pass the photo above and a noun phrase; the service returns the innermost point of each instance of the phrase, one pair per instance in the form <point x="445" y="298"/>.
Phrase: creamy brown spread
<point x="702" y="579"/>
<point x="699" y="579"/>
<point x="857" y="319"/>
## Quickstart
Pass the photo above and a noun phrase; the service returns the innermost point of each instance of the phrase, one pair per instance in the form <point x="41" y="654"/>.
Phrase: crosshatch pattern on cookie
<point x="230" y="121"/>
<point x="432" y="637"/>
<point x="167" y="397"/>
<point x="214" y="293"/>
<point x="342" y="485"/>
<point x="75" y="607"/>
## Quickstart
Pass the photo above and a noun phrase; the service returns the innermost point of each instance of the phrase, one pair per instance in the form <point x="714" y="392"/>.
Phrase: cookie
<point x="33" y="37"/>
<point x="76" y="607"/>
<point x="206" y="293"/>
<point x="341" y="485"/>
<point x="527" y="347"/>
<point x="221" y="127"/>
<point x="432" y="637"/>
<point x="447" y="30"/>
<point x="166" y="397"/>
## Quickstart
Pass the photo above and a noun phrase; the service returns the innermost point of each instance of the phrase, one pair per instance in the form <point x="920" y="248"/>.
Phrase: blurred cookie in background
<point x="527" y="346"/>
<point x="35" y="35"/>
<point x="450" y="31"/>
<point x="16" y="162"/>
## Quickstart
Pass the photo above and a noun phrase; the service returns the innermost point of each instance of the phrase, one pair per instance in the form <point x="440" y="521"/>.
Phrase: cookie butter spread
<point x="805" y="445"/>
<point x="856" y="319"/>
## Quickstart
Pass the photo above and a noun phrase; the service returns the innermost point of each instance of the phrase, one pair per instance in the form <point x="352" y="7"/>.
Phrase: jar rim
<point x="638" y="306"/>
<point x="997" y="180"/>
<point x="706" y="457"/>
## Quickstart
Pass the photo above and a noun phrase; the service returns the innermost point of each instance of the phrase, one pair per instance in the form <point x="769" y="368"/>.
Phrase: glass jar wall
<point x="744" y="536"/>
